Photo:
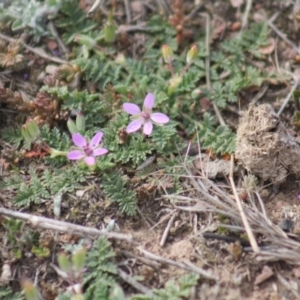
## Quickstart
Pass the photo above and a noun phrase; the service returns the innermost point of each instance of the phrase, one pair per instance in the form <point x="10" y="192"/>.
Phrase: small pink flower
<point x="86" y="150"/>
<point x="145" y="117"/>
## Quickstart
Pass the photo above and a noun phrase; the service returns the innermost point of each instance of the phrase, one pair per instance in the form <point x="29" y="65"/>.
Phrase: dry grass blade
<point x="241" y="210"/>
<point x="167" y="229"/>
<point x="279" y="245"/>
<point x="130" y="280"/>
<point x="185" y="266"/>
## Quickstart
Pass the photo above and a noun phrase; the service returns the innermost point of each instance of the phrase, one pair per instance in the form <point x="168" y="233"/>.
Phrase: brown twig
<point x="38" y="52"/>
<point x="280" y="34"/>
<point x="155" y="265"/>
<point x="127" y="10"/>
<point x="61" y="226"/>
<point x="54" y="32"/>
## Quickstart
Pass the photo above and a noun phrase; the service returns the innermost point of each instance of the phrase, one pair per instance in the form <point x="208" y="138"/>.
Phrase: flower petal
<point x="96" y="140"/>
<point x="90" y="160"/>
<point x="159" y="118"/>
<point x="149" y="101"/>
<point x="134" y="125"/>
<point x="75" y="155"/>
<point x="148" y="128"/>
<point x="78" y="140"/>
<point x="131" y="108"/>
<point x="99" y="151"/>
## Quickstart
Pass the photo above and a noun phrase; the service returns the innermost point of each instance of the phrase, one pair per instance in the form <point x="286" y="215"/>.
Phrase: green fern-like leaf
<point x="166" y="139"/>
<point x="32" y="192"/>
<point x="101" y="270"/>
<point x="136" y="148"/>
<point x="220" y="141"/>
<point x="12" y="182"/>
<point x="45" y="186"/>
<point x="114" y="187"/>
<point x="13" y="136"/>
<point x="93" y="109"/>
<point x="101" y="71"/>
<point x="61" y="181"/>
<point x="7" y="294"/>
<point x="173" y="290"/>
<point x="74" y="21"/>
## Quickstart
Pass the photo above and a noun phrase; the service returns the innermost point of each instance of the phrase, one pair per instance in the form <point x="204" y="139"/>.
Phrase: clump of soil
<point x="264" y="147"/>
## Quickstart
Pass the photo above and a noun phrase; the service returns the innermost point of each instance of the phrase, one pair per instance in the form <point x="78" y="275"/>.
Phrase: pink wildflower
<point x="86" y="150"/>
<point x="145" y="117"/>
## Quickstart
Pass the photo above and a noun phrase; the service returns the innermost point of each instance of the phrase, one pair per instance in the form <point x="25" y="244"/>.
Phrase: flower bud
<point x="30" y="290"/>
<point x="80" y="122"/>
<point x="196" y="93"/>
<point x="77" y="297"/>
<point x="72" y="126"/>
<point x="191" y="55"/>
<point x="109" y="32"/>
<point x="86" y="41"/>
<point x="54" y="153"/>
<point x="117" y="293"/>
<point x="167" y="53"/>
<point x="78" y="259"/>
<point x="64" y="262"/>
<point x="57" y="205"/>
<point x="120" y="59"/>
<point x="174" y="82"/>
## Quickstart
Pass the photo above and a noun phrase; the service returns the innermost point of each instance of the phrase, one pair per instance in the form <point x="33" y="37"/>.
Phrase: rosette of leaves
<point x="31" y="15"/>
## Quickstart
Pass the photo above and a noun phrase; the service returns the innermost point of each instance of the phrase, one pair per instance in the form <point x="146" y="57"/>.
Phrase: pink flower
<point x="86" y="150"/>
<point x="145" y="117"/>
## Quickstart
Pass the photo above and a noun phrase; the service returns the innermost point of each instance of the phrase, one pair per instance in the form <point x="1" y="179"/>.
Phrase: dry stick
<point x="96" y="4"/>
<point x="198" y="270"/>
<point x="138" y="286"/>
<point x="163" y="4"/>
<point x="155" y="265"/>
<point x="127" y="10"/>
<point x="249" y="232"/>
<point x="130" y="28"/>
<point x="166" y="232"/>
<point x="194" y="11"/>
<point x="56" y="35"/>
<point x="288" y="96"/>
<point x="280" y="34"/>
<point x="48" y="223"/>
<point x="180" y="265"/>
<point x="288" y="285"/>
<point x="246" y="14"/>
<point x="144" y="218"/>
<point x="207" y="67"/>
<point x="38" y="52"/>
<point x="260" y="94"/>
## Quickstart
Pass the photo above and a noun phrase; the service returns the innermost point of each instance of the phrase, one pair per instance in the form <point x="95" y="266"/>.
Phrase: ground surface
<point x="177" y="218"/>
